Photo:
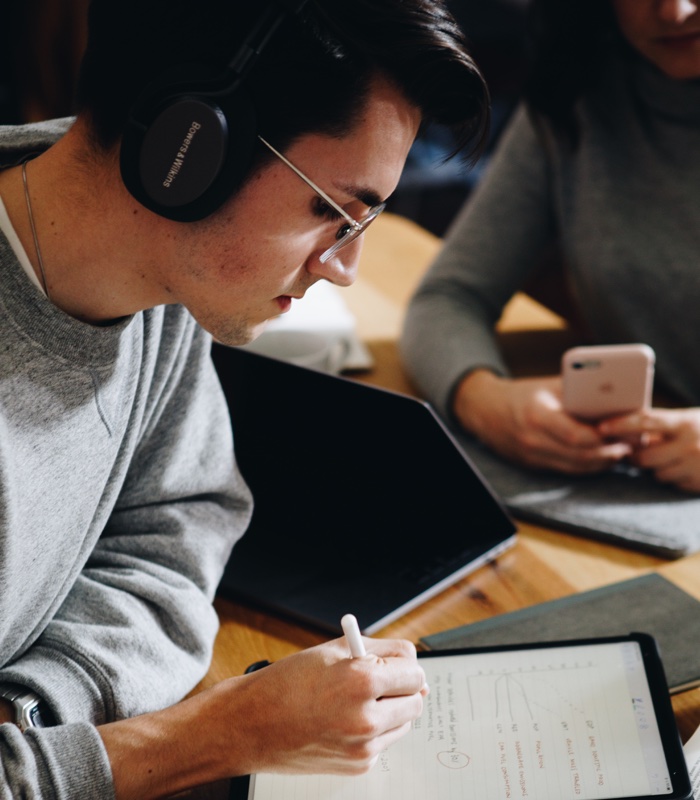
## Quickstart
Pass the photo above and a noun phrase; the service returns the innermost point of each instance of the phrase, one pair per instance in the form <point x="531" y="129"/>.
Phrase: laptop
<point x="363" y="501"/>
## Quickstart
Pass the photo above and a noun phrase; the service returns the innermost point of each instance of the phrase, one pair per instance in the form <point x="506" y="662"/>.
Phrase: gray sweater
<point x="625" y="207"/>
<point x="119" y="505"/>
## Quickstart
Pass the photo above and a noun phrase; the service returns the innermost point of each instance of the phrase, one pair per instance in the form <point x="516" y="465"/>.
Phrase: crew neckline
<point x="27" y="308"/>
<point x="669" y="97"/>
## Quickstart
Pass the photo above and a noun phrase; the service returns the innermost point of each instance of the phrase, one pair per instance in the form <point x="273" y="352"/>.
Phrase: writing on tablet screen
<point x="553" y="723"/>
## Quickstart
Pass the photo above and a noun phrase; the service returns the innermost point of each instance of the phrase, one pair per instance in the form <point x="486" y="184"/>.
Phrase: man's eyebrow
<point x="365" y="195"/>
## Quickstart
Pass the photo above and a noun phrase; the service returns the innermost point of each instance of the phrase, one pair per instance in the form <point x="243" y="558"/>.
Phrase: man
<point x="225" y="157"/>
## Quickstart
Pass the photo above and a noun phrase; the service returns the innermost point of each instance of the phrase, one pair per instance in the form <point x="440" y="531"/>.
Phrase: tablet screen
<point x="554" y="721"/>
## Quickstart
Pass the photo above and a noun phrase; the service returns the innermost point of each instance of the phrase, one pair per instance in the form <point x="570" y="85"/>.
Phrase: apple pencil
<point x="352" y="633"/>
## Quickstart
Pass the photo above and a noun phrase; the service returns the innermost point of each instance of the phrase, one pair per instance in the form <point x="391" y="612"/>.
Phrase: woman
<point x="603" y="157"/>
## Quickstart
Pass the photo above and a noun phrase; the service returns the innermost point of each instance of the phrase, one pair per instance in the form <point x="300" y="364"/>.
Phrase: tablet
<point x="569" y="720"/>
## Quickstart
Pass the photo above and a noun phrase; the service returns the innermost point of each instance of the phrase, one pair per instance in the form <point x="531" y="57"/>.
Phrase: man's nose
<point x="341" y="268"/>
<point x="677" y="11"/>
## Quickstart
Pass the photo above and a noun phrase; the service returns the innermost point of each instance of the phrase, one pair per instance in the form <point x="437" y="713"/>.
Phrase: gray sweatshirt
<point x="625" y="207"/>
<point x="119" y="505"/>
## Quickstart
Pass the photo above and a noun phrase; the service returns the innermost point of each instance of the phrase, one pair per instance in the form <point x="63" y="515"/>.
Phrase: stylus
<point x="352" y="633"/>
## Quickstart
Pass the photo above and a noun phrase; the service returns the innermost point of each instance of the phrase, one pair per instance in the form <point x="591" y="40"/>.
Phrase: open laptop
<point x="364" y="503"/>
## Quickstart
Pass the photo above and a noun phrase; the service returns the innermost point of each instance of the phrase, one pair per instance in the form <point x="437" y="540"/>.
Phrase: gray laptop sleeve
<point x="625" y="506"/>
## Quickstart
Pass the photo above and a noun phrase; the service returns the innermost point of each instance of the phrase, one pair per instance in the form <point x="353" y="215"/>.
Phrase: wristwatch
<point x="28" y="706"/>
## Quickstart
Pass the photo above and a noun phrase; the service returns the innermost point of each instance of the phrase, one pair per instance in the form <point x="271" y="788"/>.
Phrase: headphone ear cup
<point x="185" y="157"/>
<point x="190" y="139"/>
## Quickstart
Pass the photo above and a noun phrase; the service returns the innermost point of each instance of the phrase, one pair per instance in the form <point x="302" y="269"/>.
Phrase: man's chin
<point x="236" y="335"/>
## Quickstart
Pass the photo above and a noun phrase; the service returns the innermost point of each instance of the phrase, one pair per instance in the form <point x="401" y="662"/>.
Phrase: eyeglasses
<point x="346" y="233"/>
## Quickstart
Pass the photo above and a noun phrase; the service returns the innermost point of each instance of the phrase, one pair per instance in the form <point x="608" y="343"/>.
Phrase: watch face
<point x="27" y="706"/>
<point x="34" y="715"/>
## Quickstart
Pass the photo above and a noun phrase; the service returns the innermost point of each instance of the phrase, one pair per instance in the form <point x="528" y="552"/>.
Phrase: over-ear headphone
<point x="190" y="136"/>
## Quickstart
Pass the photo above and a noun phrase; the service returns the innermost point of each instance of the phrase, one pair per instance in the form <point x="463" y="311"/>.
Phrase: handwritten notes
<point x="691" y="750"/>
<point x="552" y="724"/>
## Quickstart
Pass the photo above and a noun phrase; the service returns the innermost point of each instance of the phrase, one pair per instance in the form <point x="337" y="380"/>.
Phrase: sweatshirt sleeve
<point x="488" y="252"/>
<point x="67" y="762"/>
<point x="136" y="631"/>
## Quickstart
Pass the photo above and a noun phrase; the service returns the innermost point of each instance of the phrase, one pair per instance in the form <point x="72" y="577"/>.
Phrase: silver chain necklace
<point x="33" y="226"/>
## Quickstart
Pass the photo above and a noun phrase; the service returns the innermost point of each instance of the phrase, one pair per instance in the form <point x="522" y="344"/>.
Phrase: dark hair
<point x="313" y="77"/>
<point x="569" y="40"/>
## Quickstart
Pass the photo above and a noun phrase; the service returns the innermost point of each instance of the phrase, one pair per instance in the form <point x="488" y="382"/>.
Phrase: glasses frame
<point x="346" y="233"/>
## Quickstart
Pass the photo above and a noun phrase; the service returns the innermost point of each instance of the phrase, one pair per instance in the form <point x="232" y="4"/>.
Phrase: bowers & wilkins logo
<point x="176" y="166"/>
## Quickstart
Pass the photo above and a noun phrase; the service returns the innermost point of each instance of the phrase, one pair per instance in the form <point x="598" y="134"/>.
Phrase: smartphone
<point x="607" y="380"/>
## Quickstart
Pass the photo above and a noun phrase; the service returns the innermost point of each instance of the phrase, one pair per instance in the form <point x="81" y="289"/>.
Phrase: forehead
<point x="372" y="153"/>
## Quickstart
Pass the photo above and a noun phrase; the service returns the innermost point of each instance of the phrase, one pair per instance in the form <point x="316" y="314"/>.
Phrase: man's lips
<point x="284" y="301"/>
<point x="679" y="39"/>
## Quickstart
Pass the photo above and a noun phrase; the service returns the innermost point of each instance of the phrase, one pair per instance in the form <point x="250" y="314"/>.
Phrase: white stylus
<point x="352" y="633"/>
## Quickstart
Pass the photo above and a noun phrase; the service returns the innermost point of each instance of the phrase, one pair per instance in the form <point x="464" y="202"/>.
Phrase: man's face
<point x="249" y="262"/>
<point x="667" y="32"/>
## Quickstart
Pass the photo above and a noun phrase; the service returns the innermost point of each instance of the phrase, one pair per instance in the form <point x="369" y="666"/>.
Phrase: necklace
<point x="33" y="226"/>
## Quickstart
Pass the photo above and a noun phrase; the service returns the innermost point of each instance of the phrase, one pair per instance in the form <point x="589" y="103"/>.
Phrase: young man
<point x="224" y="159"/>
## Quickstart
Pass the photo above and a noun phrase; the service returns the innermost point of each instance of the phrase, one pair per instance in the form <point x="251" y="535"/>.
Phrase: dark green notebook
<point x="648" y="604"/>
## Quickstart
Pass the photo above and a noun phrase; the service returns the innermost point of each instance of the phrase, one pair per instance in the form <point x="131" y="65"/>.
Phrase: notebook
<point x="650" y="603"/>
<point x="364" y="503"/>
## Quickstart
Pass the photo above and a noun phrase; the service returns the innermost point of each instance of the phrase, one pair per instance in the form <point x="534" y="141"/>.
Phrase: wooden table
<point x="543" y="565"/>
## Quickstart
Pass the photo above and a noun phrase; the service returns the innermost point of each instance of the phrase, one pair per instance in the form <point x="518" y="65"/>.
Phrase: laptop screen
<point x="348" y="479"/>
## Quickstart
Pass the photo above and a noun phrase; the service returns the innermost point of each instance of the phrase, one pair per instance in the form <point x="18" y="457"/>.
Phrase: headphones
<point x="189" y="138"/>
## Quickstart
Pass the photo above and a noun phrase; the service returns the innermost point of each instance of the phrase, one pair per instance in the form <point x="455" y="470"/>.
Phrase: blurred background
<point x="431" y="190"/>
<point x="41" y="43"/>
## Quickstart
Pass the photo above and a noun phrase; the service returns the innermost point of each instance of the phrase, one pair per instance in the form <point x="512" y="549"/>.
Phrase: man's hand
<point x="670" y="443"/>
<point x="340" y="713"/>
<point x="523" y="420"/>
<point x="318" y="711"/>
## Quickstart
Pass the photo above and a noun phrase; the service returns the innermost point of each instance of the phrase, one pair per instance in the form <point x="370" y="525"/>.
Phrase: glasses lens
<point x="348" y="234"/>
<point x="346" y="230"/>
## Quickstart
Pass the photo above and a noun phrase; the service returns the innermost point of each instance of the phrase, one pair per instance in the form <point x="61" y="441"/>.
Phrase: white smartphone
<point x="607" y="380"/>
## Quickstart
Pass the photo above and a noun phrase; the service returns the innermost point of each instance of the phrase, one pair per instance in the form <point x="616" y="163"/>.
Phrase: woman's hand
<point x="668" y="443"/>
<point x="523" y="420"/>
